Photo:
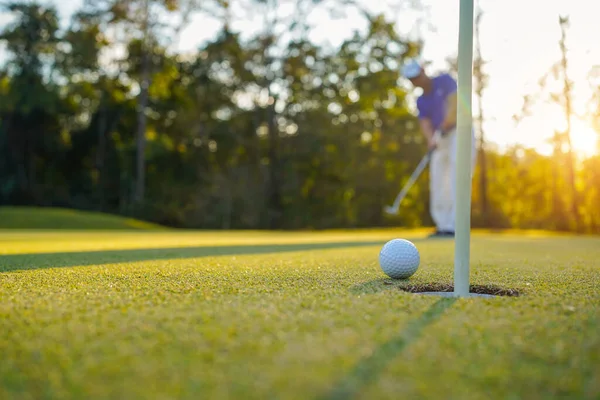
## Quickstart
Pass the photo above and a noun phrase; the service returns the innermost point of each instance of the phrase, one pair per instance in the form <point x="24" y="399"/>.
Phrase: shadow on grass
<point x="30" y="261"/>
<point x="381" y="284"/>
<point x="367" y="370"/>
<point x="373" y="286"/>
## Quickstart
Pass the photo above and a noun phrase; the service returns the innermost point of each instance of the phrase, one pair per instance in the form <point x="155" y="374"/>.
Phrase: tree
<point x="565" y="101"/>
<point x="269" y="84"/>
<point x="561" y="140"/>
<point x="141" y="20"/>
<point x="31" y="108"/>
<point x="79" y="64"/>
<point x="481" y="82"/>
<point x="593" y="112"/>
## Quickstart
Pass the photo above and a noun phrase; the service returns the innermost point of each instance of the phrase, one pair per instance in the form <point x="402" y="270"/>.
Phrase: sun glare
<point x="584" y="138"/>
<point x="538" y="129"/>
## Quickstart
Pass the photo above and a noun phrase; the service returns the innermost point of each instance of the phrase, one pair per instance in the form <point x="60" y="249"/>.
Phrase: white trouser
<point x="442" y="180"/>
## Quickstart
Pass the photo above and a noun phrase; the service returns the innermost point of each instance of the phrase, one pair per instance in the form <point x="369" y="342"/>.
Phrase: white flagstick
<point x="464" y="126"/>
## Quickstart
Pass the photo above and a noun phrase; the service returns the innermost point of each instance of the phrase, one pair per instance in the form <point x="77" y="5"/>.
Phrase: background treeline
<point x="267" y="132"/>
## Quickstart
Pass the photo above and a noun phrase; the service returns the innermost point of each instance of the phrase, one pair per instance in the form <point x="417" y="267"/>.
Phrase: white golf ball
<point x="399" y="258"/>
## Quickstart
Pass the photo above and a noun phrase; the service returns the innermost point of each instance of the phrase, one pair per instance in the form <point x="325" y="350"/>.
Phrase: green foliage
<point x="33" y="34"/>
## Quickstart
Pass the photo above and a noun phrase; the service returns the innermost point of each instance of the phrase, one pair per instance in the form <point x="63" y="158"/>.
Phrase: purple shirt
<point x="433" y="105"/>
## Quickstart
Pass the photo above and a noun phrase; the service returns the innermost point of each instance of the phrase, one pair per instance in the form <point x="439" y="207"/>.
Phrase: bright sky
<point x="519" y="39"/>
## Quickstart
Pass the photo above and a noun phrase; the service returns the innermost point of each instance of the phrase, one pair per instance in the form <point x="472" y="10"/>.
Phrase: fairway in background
<point x="62" y="218"/>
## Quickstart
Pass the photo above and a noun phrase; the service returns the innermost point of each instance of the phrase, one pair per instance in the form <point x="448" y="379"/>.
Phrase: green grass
<point x="231" y="315"/>
<point x="66" y="219"/>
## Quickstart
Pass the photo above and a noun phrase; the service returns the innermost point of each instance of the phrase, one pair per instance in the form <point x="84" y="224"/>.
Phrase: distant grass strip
<point x="66" y="219"/>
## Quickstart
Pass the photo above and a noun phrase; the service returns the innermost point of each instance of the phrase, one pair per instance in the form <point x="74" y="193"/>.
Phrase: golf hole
<point x="490" y="290"/>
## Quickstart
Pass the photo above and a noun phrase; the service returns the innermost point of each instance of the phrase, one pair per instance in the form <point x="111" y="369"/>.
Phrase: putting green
<point x="166" y="314"/>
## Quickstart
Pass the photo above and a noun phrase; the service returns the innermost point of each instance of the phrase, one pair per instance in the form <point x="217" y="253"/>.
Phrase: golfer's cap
<point x="411" y="69"/>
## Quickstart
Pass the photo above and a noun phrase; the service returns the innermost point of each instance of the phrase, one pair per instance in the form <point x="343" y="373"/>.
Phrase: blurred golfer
<point x="437" y="113"/>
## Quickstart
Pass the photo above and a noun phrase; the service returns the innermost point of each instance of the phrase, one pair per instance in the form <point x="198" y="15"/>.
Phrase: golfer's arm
<point x="450" y="120"/>
<point x="426" y="128"/>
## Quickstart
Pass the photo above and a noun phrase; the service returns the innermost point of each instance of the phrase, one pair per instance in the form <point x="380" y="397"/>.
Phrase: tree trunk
<point x="141" y="113"/>
<point x="481" y="145"/>
<point x="17" y="146"/>
<point x="101" y="156"/>
<point x="141" y="137"/>
<point x="568" y="111"/>
<point x="31" y="170"/>
<point x="556" y="209"/>
<point x="274" y="191"/>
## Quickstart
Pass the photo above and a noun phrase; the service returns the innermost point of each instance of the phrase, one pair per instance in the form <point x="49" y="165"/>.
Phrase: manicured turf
<point x="161" y="315"/>
<point x="63" y="218"/>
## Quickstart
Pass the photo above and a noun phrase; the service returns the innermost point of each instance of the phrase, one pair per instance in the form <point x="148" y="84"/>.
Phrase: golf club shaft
<point x="414" y="176"/>
<point x="411" y="180"/>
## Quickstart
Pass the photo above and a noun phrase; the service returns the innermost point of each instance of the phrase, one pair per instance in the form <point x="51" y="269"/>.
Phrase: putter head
<point x="391" y="210"/>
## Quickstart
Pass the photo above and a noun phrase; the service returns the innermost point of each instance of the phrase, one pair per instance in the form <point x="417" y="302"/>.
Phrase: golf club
<point x="393" y="209"/>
